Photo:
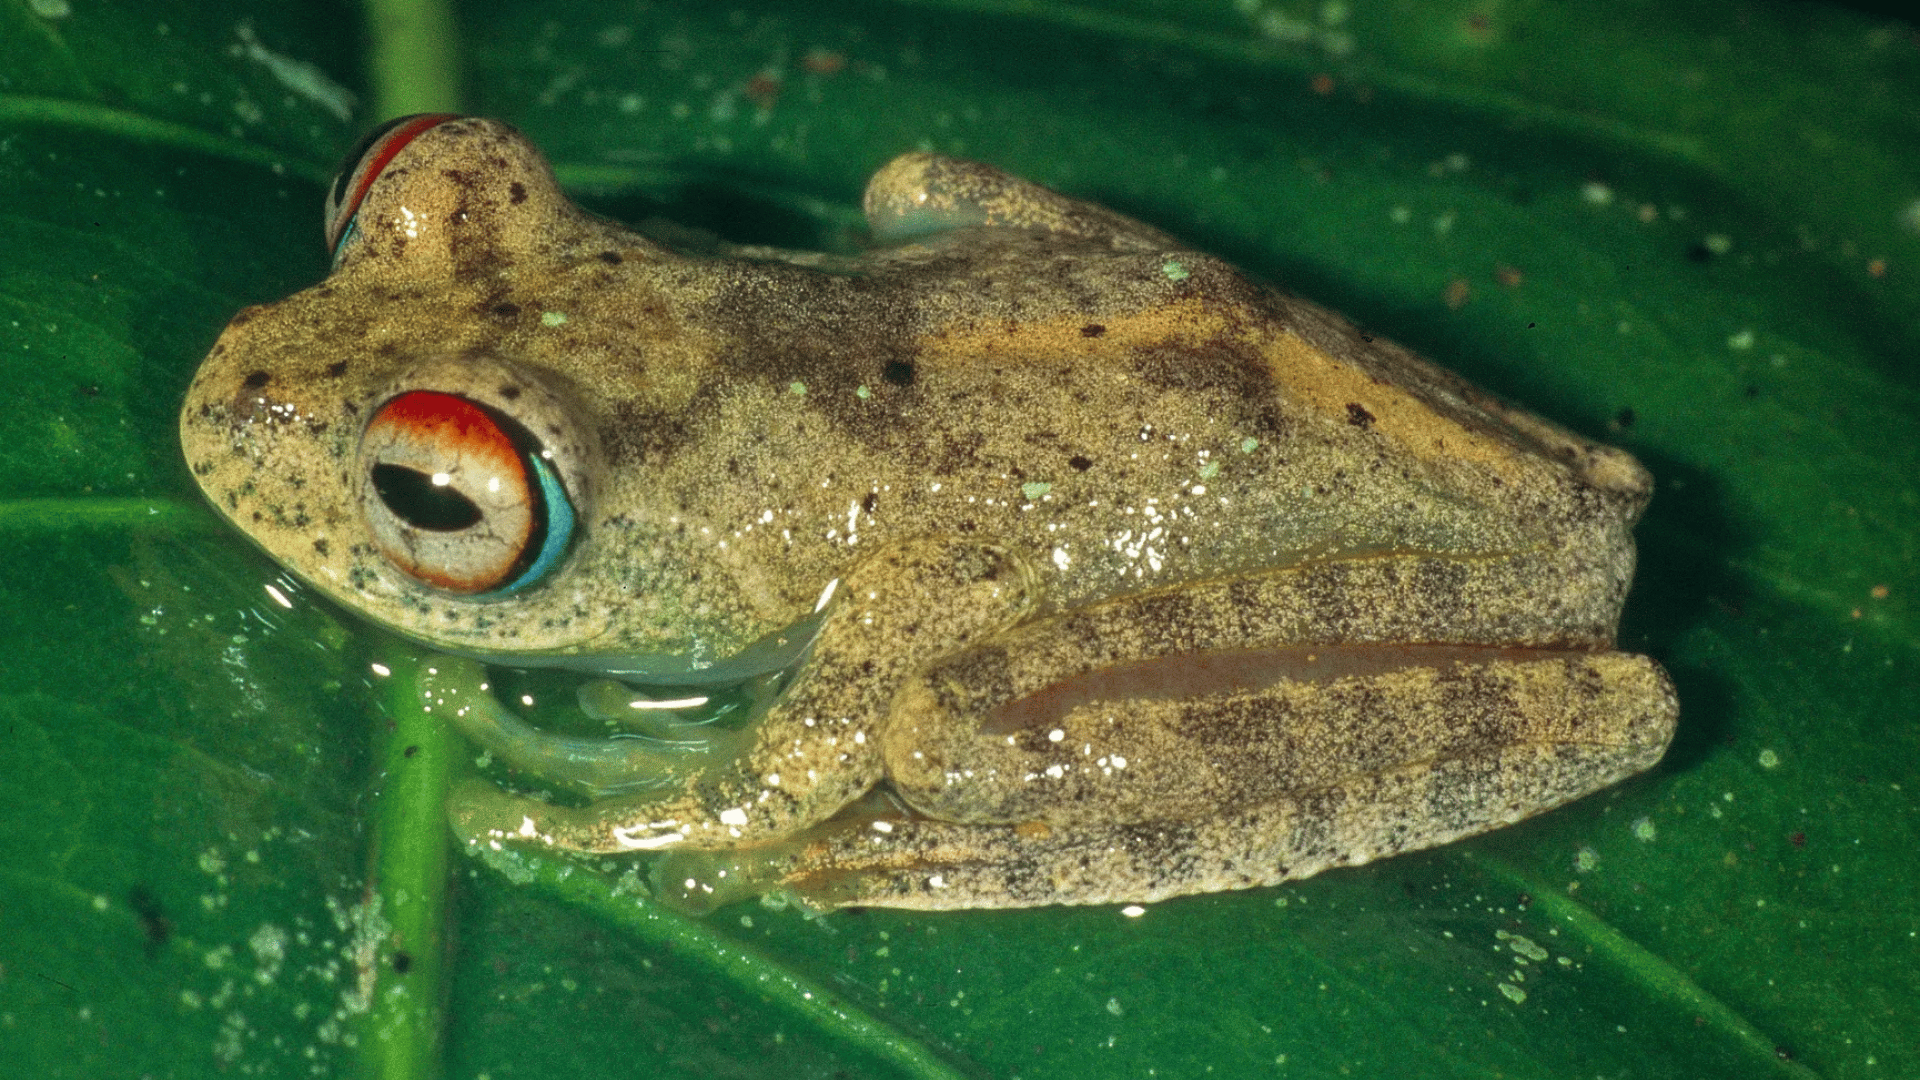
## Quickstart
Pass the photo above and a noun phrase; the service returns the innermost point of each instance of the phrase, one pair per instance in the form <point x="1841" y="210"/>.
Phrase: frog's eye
<point x="460" y="496"/>
<point x="363" y="166"/>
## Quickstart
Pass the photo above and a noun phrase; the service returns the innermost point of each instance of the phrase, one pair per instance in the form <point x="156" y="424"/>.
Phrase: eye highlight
<point x="462" y="497"/>
<point x="363" y="165"/>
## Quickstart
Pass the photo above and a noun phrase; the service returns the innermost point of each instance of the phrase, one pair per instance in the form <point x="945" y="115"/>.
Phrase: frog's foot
<point x="457" y="689"/>
<point x="920" y="194"/>
<point x="698" y="881"/>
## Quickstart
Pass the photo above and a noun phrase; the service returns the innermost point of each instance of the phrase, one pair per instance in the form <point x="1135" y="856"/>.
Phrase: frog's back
<point x="1128" y="418"/>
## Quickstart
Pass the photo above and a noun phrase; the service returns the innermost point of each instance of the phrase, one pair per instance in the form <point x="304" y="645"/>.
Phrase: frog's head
<point x="413" y="437"/>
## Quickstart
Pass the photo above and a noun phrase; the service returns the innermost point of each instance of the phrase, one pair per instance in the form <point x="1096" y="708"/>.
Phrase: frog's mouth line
<point x="783" y="650"/>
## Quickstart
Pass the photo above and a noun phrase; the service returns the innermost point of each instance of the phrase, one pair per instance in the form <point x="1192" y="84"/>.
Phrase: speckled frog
<point x="1041" y="559"/>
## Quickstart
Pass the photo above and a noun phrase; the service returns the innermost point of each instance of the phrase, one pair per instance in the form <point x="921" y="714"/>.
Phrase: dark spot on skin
<point x="153" y="918"/>
<point x="898" y="372"/>
<point x="611" y="258"/>
<point x="244" y="316"/>
<point x="410" y="751"/>
<point x="321" y="547"/>
<point x="1092" y="330"/>
<point x="510" y="392"/>
<point x="505" y="310"/>
<point x="1624" y="419"/>
<point x="255" y="380"/>
<point x="638" y="434"/>
<point x="402" y="962"/>
<point x="336" y="369"/>
<point x="1358" y="416"/>
<point x="1368" y="338"/>
<point x="1080" y="462"/>
<point x="867" y="504"/>
<point x="516" y="193"/>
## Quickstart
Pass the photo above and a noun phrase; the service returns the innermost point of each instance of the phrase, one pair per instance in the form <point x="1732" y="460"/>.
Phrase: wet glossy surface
<point x="1032" y="443"/>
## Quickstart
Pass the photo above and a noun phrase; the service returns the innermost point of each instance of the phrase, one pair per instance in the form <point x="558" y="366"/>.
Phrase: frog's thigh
<point x="1177" y="739"/>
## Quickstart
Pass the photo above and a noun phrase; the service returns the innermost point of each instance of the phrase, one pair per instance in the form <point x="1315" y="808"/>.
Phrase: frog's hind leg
<point x="935" y="865"/>
<point x="1364" y="812"/>
<point x="920" y="194"/>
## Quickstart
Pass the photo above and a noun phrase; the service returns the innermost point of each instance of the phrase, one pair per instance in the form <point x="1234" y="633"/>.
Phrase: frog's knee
<point x="921" y="194"/>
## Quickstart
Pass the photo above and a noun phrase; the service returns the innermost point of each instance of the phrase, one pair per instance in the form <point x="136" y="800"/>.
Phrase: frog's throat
<point x="457" y="691"/>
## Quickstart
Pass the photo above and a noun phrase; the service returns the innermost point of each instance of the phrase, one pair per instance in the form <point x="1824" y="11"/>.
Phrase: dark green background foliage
<point x="1693" y="232"/>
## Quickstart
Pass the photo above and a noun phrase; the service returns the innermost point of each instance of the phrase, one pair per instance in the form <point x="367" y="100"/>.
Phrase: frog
<point x="1038" y="557"/>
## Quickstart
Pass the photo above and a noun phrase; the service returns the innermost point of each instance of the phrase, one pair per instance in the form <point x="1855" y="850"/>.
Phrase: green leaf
<point x="1695" y="233"/>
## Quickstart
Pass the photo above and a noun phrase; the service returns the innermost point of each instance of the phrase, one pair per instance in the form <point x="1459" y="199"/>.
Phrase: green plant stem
<point x="414" y="63"/>
<point x="138" y="512"/>
<point x="401" y="1035"/>
<point x="622" y="903"/>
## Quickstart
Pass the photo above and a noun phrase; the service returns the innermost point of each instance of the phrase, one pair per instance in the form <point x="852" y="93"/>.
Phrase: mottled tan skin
<point x="1040" y="446"/>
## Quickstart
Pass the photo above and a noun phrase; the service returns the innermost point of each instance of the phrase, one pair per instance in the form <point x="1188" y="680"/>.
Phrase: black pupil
<point x="415" y="499"/>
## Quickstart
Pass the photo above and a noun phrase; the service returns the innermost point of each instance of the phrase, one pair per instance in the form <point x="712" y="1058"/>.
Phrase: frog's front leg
<point x="815" y="750"/>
